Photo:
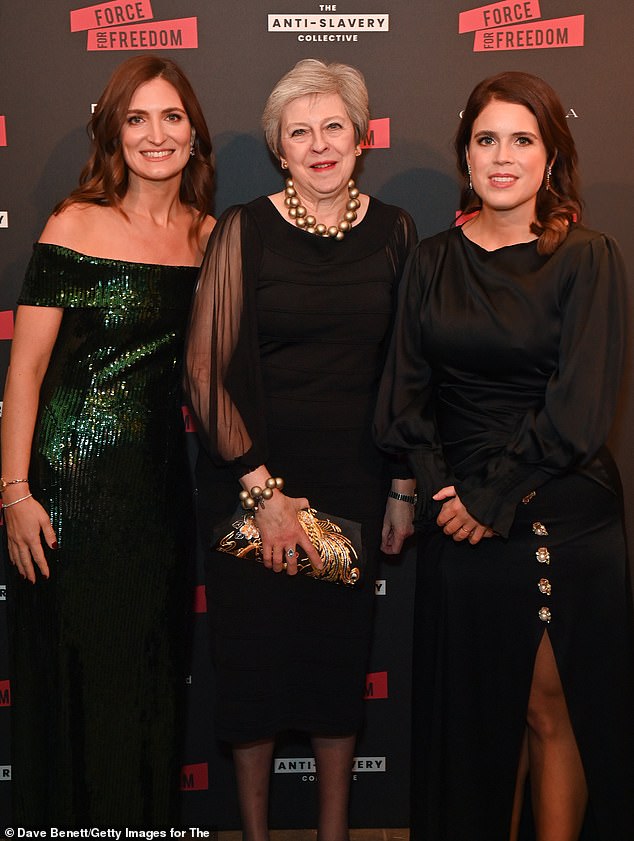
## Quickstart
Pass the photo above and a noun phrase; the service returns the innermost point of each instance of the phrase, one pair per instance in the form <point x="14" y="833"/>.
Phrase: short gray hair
<point x="311" y="76"/>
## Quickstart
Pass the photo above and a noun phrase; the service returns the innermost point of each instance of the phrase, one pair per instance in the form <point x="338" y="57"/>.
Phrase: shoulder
<point x="586" y="251"/>
<point x="74" y="226"/>
<point x="581" y="239"/>
<point x="205" y="231"/>
<point x="392" y="213"/>
<point x="436" y="245"/>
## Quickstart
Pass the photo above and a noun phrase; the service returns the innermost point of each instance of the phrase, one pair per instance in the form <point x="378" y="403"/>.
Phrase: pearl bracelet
<point x="413" y="499"/>
<point x="15" y="501"/>
<point x="255" y="497"/>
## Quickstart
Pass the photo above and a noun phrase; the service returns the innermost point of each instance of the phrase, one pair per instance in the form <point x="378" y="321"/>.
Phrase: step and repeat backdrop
<point x="420" y="59"/>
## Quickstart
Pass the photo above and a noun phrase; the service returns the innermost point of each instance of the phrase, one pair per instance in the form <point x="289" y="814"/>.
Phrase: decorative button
<point x="528" y="497"/>
<point x="540" y="529"/>
<point x="543" y="555"/>
<point x="545" y="586"/>
<point x="544" y="614"/>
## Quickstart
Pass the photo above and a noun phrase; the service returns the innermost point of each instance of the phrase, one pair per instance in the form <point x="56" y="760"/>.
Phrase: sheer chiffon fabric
<point x="287" y="341"/>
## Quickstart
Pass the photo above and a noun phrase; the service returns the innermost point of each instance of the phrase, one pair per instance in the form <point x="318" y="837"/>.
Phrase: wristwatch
<point x="412" y="499"/>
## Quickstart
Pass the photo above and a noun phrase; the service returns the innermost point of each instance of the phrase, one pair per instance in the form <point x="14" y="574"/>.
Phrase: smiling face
<point x="507" y="157"/>
<point x="318" y="142"/>
<point x="157" y="134"/>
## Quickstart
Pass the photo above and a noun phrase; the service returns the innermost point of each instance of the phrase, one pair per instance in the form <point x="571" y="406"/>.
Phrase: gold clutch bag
<point x="338" y="542"/>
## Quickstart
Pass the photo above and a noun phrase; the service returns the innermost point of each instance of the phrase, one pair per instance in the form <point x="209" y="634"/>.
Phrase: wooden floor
<point x="311" y="835"/>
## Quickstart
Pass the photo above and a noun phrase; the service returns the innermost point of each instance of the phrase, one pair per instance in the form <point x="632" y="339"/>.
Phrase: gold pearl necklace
<point x="304" y="220"/>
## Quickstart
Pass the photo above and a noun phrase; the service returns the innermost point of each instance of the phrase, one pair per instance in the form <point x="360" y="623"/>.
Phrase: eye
<point x="174" y="117"/>
<point x="334" y="126"/>
<point x="524" y="141"/>
<point x="485" y="140"/>
<point x="134" y="119"/>
<point x="298" y="132"/>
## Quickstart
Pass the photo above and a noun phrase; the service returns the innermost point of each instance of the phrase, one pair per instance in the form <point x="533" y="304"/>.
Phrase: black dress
<point x="297" y="328"/>
<point x="95" y="647"/>
<point x="502" y="380"/>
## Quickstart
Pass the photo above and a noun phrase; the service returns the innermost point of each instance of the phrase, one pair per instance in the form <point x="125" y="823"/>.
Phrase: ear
<point x="193" y="136"/>
<point x="466" y="155"/>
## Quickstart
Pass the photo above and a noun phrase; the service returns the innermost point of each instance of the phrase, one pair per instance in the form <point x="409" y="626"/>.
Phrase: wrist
<point x="412" y="498"/>
<point x="8" y="484"/>
<point x="256" y="496"/>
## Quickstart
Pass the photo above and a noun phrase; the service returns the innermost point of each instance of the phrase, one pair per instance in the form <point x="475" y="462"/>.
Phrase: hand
<point x="397" y="525"/>
<point x="455" y="520"/>
<point x="280" y="532"/>
<point x="25" y="522"/>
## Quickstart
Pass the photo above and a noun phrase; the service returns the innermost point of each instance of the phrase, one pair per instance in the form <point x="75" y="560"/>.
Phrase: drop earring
<point x="470" y="182"/>
<point x="283" y="163"/>
<point x="549" y="172"/>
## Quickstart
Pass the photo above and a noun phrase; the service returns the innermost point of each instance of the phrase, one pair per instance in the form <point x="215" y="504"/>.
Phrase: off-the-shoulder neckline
<point x="109" y="260"/>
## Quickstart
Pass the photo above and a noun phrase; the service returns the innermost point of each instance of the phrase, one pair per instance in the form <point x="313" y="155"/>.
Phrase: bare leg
<point x="518" y="799"/>
<point x="334" y="769"/>
<point x="558" y="784"/>
<point x="252" y="762"/>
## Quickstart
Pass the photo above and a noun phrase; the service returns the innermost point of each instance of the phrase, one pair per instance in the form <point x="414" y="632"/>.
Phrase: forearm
<point x="20" y="405"/>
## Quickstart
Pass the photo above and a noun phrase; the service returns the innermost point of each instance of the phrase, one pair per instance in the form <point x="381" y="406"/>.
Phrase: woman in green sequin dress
<point x="94" y="484"/>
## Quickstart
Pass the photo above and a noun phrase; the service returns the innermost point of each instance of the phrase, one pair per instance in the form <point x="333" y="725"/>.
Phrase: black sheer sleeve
<point x="399" y="248"/>
<point x="405" y="416"/>
<point x="222" y="363"/>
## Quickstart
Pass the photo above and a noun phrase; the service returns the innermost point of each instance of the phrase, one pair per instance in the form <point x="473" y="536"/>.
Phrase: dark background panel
<point x="419" y="75"/>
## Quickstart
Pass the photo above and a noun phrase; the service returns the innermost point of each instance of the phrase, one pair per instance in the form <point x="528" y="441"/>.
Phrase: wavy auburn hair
<point x="557" y="207"/>
<point x="104" y="178"/>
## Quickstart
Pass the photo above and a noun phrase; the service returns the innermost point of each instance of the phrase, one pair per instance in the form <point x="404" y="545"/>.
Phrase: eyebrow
<point x="164" y="111"/>
<point x="514" y="134"/>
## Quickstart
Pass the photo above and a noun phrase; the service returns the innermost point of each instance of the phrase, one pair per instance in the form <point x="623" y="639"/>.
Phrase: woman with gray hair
<point x="287" y="339"/>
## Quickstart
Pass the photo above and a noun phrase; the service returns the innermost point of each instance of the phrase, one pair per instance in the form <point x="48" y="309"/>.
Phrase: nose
<point x="504" y="152"/>
<point x="156" y="130"/>
<point x="320" y="143"/>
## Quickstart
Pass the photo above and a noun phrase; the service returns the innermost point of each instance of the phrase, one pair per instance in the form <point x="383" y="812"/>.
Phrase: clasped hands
<point x="455" y="520"/>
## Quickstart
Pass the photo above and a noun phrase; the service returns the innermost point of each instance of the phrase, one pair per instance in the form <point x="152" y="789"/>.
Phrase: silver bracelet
<point x="15" y="502"/>
<point x="413" y="499"/>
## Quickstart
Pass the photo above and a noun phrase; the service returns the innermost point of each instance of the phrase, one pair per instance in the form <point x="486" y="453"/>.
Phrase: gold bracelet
<point x="255" y="497"/>
<point x="15" y="501"/>
<point x="4" y="484"/>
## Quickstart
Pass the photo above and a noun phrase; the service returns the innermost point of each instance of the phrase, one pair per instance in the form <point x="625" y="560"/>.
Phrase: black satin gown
<point x="502" y="380"/>
<point x="97" y="666"/>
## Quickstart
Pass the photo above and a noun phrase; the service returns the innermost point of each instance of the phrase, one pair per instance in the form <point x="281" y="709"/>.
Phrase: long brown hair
<point x="104" y="178"/>
<point x="558" y="203"/>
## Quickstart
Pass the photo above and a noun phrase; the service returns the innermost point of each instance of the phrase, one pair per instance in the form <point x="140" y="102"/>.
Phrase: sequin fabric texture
<point x="95" y="649"/>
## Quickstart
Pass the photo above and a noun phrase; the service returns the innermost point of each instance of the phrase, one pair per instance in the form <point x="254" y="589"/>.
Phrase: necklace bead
<point x="298" y="213"/>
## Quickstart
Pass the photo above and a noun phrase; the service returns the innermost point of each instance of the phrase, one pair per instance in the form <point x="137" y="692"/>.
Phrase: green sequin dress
<point x="95" y="648"/>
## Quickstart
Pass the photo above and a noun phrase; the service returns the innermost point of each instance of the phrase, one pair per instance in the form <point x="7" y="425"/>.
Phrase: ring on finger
<point x="290" y="552"/>
<point x="465" y="529"/>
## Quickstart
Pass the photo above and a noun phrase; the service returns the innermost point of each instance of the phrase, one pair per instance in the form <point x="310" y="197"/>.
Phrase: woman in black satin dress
<point x="95" y="489"/>
<point x="501" y="387"/>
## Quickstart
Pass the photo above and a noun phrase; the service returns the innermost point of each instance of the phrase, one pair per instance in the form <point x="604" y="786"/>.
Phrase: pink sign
<point x="378" y="136"/>
<point x="179" y="34"/>
<point x="3" y="131"/>
<point x="498" y="14"/>
<point x="547" y="34"/>
<point x="195" y="777"/>
<point x="6" y="324"/>
<point x="114" y="13"/>
<point x="375" y="686"/>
